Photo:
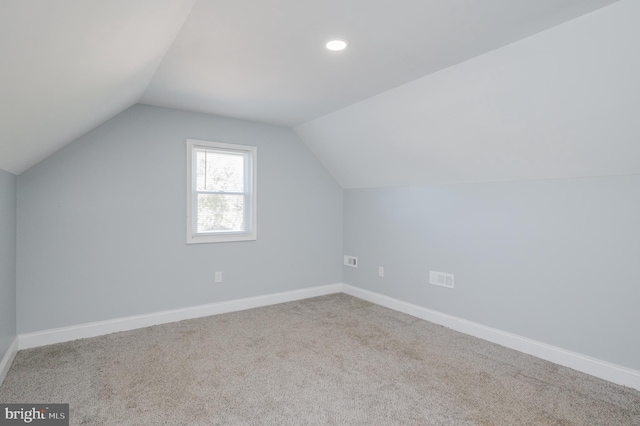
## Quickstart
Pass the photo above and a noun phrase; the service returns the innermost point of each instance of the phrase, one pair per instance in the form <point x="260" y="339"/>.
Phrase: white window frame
<point x="251" y="185"/>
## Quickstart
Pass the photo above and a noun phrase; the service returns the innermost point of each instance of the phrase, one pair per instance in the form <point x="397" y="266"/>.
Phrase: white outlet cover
<point x="442" y="279"/>
<point x="351" y="261"/>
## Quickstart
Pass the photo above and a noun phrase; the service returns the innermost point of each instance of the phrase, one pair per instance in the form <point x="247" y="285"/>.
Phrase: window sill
<point x="203" y="239"/>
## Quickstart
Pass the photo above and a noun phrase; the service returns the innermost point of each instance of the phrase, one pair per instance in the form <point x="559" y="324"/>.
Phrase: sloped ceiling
<point x="266" y="61"/>
<point x="563" y="103"/>
<point x="69" y="65"/>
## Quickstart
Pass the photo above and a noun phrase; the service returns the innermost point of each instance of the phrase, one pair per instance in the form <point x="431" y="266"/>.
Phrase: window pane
<point x="218" y="213"/>
<point x="219" y="172"/>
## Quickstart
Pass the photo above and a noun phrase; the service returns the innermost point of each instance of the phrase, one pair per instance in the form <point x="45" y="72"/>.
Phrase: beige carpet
<point x="328" y="360"/>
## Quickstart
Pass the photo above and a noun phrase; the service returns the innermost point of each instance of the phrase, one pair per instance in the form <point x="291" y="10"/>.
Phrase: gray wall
<point x="7" y="261"/>
<point x="101" y="223"/>
<point x="557" y="261"/>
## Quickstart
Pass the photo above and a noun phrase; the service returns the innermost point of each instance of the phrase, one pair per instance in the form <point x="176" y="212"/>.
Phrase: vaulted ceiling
<point x="69" y="65"/>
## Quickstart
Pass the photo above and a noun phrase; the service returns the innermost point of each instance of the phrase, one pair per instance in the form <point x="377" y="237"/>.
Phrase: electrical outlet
<point x="218" y="277"/>
<point x="380" y="271"/>
<point x="442" y="279"/>
<point x="351" y="261"/>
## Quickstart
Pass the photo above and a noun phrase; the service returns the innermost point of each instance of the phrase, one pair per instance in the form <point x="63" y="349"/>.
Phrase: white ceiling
<point x="69" y="65"/>
<point x="266" y="60"/>
<point x="563" y="103"/>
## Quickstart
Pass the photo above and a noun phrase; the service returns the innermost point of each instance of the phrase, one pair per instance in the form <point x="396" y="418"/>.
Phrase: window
<point x="221" y="193"/>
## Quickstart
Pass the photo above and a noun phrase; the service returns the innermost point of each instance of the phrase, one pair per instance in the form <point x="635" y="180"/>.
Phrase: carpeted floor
<point x="328" y="360"/>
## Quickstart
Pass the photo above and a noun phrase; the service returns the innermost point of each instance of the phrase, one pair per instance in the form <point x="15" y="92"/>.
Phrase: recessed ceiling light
<point x="336" y="45"/>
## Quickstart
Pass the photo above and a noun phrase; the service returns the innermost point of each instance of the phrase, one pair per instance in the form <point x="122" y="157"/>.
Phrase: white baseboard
<point x="595" y="367"/>
<point x="66" y="334"/>
<point x="7" y="359"/>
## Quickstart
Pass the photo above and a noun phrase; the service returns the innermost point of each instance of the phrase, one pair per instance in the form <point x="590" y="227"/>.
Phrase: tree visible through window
<point x="222" y="192"/>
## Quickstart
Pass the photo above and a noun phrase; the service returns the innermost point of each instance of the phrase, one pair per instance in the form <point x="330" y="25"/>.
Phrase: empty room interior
<point x="321" y="212"/>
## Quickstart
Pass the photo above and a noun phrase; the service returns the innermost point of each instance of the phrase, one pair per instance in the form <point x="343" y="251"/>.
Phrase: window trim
<point x="252" y="155"/>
